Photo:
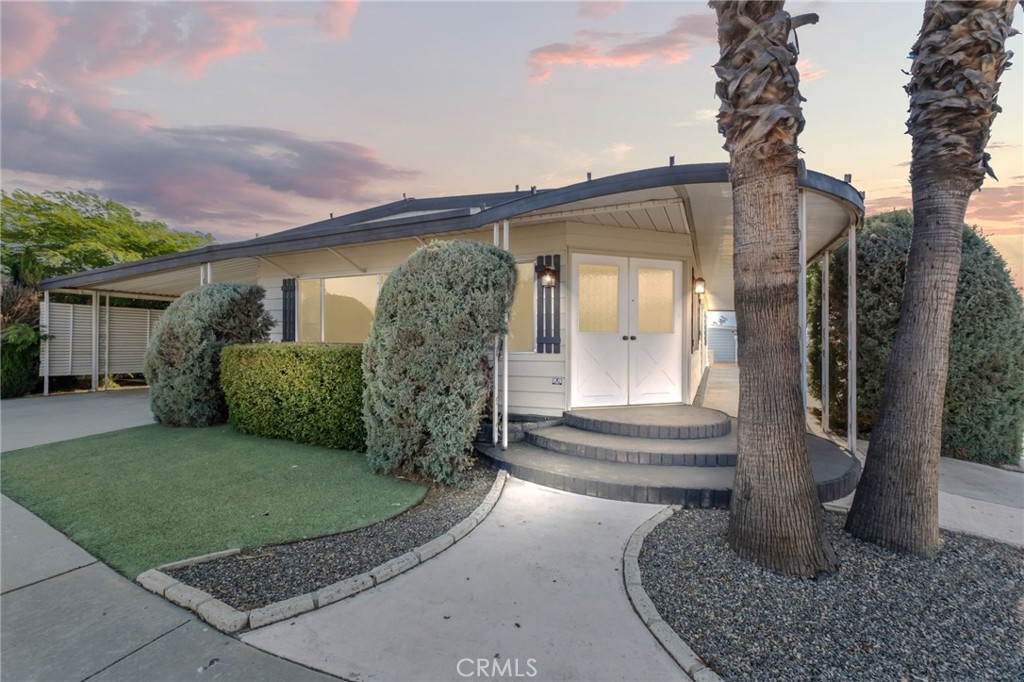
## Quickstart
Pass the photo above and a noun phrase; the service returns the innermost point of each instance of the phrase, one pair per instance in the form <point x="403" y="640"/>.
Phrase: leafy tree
<point x="60" y="233"/>
<point x="775" y="518"/>
<point x="959" y="57"/>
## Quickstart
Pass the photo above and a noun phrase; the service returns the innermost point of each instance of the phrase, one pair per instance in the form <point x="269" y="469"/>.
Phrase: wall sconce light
<point x="698" y="285"/>
<point x="548" y="277"/>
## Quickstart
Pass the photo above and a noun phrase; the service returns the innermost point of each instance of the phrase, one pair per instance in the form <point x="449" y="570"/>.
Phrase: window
<point x="344" y="305"/>
<point x="523" y="314"/>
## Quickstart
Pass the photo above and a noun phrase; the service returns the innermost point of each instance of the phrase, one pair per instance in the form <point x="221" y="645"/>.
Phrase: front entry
<point x="627" y="331"/>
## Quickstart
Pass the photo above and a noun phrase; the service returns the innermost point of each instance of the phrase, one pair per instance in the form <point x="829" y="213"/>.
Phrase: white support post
<point x="825" y="393"/>
<point x="504" y="371"/>
<point x="209" y="273"/>
<point x="801" y="288"/>
<point x="851" y="340"/>
<point x="46" y="343"/>
<point x="95" y="341"/>
<point x="494" y="373"/>
<point x="202" y="274"/>
<point x="106" y="346"/>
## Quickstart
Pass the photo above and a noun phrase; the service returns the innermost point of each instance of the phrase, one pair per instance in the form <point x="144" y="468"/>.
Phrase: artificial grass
<point x="150" y="495"/>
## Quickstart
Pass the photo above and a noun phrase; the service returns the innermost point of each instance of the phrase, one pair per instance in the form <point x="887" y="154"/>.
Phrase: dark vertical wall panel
<point x="288" y="310"/>
<point x="549" y="307"/>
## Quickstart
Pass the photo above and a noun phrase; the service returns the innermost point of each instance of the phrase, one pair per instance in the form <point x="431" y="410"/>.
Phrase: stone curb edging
<point x="680" y="652"/>
<point x="230" y="620"/>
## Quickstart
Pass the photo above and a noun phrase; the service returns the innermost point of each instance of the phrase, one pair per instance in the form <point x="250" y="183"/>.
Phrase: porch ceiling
<point x="660" y="209"/>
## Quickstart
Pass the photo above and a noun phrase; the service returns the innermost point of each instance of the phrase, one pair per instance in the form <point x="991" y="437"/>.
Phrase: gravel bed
<point x="264" y="575"/>
<point x="881" y="617"/>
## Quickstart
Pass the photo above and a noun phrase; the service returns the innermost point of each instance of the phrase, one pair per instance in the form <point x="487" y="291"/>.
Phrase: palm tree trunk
<point x="775" y="519"/>
<point x="959" y="58"/>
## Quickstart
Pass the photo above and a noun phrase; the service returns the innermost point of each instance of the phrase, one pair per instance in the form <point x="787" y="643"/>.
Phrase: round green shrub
<point x="307" y="393"/>
<point x="425" y="359"/>
<point x="183" y="358"/>
<point x="983" y="420"/>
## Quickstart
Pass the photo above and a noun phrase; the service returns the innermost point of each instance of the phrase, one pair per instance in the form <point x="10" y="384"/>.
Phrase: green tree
<point x="59" y="233"/>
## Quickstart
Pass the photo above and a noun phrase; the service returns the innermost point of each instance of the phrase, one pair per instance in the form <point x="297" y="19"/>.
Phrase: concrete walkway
<point x="538" y="586"/>
<point x="973" y="498"/>
<point x="66" y="617"/>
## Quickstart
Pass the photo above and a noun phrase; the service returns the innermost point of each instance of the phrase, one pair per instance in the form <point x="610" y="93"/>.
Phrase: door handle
<point x="632" y="338"/>
<point x="625" y="338"/>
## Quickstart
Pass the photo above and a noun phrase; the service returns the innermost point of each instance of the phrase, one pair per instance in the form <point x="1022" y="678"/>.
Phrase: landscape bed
<point x="882" y="616"/>
<point x="150" y="495"/>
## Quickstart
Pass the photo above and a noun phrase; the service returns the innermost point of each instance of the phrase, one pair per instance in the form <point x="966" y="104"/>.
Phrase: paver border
<point x="230" y="620"/>
<point x="679" y="650"/>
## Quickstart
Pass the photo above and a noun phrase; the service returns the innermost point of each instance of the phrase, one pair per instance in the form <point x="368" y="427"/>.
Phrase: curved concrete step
<point x="651" y="421"/>
<point x="699" y="452"/>
<point x="835" y="472"/>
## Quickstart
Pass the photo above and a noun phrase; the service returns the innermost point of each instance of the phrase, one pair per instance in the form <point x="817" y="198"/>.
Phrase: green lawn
<point x="146" y="496"/>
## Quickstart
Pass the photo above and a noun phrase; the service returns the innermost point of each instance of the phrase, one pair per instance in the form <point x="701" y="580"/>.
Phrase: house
<point x="607" y="310"/>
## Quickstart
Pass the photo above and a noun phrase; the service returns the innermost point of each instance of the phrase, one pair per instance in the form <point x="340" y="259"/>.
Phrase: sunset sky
<point x="248" y="118"/>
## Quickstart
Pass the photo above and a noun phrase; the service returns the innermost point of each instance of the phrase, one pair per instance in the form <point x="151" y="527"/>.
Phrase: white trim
<point x="46" y="343"/>
<point x="95" y="341"/>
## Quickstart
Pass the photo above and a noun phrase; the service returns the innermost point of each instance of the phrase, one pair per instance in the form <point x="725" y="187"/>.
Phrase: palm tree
<point x="958" y="59"/>
<point x="775" y="519"/>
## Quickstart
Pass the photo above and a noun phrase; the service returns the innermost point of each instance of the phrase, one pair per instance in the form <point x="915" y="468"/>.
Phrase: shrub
<point x="19" y="339"/>
<point x="983" y="420"/>
<point x="183" y="358"/>
<point x="304" y="393"/>
<point x="425" y="359"/>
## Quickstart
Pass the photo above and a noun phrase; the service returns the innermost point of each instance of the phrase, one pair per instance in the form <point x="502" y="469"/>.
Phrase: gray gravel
<point x="265" y="575"/>
<point x="881" y="617"/>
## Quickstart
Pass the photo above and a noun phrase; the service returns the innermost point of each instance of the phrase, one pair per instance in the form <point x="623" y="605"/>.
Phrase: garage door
<point x="721" y="342"/>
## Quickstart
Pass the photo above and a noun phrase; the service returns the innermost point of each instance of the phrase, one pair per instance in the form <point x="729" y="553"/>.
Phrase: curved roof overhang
<point x="704" y="189"/>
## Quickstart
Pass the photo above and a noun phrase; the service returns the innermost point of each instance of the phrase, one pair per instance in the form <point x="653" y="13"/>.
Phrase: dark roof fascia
<point x="515" y="204"/>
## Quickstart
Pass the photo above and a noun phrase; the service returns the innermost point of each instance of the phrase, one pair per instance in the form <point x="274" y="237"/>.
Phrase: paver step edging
<point x="586" y="421"/>
<point x="230" y="620"/>
<point x="679" y="650"/>
<point x="630" y="452"/>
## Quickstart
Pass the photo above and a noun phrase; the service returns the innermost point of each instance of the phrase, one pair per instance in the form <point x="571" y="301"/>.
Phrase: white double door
<point x="627" y="343"/>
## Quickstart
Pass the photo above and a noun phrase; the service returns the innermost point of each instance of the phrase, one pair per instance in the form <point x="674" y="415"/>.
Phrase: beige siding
<point x="531" y="375"/>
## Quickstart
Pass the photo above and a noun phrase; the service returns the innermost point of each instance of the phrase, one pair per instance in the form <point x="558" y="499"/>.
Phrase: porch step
<point x="651" y="421"/>
<point x="699" y="452"/>
<point x="835" y="472"/>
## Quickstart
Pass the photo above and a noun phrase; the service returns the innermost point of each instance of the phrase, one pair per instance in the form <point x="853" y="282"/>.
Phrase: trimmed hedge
<point x="183" y="358"/>
<point x="425" y="361"/>
<point x="983" y="419"/>
<point x="303" y="393"/>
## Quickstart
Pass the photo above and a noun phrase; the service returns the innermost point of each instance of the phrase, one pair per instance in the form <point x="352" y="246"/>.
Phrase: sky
<point x="245" y="118"/>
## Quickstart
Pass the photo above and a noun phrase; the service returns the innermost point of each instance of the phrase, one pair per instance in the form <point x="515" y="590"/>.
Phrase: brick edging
<point x="230" y="620"/>
<point x="680" y="652"/>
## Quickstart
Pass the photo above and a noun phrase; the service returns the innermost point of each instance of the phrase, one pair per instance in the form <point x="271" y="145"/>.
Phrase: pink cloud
<point x="596" y="9"/>
<point x="29" y="29"/>
<point x="809" y="71"/>
<point x="336" y="17"/>
<point x="231" y="176"/>
<point x="610" y="50"/>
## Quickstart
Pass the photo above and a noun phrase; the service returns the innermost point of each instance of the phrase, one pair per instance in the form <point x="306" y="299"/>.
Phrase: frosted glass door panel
<point x="655" y="300"/>
<point x="598" y="298"/>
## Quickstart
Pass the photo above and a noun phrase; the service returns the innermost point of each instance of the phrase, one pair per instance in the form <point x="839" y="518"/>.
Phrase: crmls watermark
<point x="509" y="668"/>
